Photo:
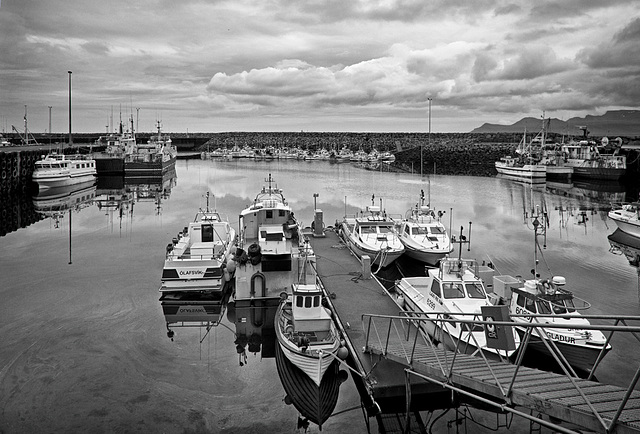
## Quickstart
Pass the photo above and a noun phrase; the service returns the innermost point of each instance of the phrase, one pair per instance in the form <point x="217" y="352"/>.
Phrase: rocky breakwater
<point x="457" y="154"/>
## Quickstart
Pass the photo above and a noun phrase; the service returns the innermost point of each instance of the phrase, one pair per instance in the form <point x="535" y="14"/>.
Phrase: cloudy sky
<point x="314" y="65"/>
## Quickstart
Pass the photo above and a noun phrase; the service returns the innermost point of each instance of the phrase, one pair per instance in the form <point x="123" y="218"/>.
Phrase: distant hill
<point x="613" y="123"/>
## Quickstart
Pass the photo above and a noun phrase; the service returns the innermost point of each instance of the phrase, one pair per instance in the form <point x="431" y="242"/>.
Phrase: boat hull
<point x="559" y="172"/>
<point x="428" y="256"/>
<point x="49" y="182"/>
<point x="379" y="257"/>
<point x="107" y="165"/>
<point x="310" y="362"/>
<point x="526" y="172"/>
<point x="580" y="357"/>
<point x="598" y="173"/>
<point x="141" y="168"/>
<point x="631" y="227"/>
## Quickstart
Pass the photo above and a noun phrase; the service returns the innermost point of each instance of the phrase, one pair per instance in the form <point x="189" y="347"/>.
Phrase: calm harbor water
<point x="84" y="339"/>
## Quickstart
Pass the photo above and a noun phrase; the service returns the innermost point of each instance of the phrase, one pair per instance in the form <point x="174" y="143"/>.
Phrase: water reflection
<point x="626" y="244"/>
<point x="54" y="203"/>
<point x="254" y="327"/>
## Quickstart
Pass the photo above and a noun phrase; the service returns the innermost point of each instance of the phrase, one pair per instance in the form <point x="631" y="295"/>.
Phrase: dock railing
<point x="405" y="338"/>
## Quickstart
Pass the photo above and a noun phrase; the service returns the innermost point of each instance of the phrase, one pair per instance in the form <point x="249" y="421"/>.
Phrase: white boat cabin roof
<point x="308" y="312"/>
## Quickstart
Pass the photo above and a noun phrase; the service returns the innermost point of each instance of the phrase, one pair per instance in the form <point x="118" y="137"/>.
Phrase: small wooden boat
<point x="305" y="331"/>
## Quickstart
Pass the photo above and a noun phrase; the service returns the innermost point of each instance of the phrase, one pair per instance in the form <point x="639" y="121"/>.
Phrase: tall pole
<point x="49" y="124"/>
<point x="429" y="143"/>
<point x="70" y="137"/>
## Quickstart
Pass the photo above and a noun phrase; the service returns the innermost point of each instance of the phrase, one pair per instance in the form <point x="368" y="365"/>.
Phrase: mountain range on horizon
<point x="613" y="123"/>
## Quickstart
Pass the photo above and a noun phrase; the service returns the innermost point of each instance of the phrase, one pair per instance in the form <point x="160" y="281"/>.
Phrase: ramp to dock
<point x="586" y="404"/>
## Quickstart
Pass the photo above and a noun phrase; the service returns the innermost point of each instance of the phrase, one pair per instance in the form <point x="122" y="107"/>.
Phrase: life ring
<point x="288" y="330"/>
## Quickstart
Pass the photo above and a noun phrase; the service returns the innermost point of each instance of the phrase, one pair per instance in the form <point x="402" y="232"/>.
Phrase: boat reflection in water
<point x="56" y="201"/>
<point x="255" y="333"/>
<point x="254" y="322"/>
<point x="315" y="403"/>
<point x="623" y="243"/>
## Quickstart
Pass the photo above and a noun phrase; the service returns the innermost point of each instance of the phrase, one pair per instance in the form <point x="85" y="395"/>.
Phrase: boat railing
<point x="403" y="336"/>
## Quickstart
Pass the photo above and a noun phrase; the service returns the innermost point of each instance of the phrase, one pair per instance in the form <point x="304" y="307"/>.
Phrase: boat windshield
<point x="437" y="230"/>
<point x="420" y="231"/>
<point x="475" y="290"/>
<point x="452" y="290"/>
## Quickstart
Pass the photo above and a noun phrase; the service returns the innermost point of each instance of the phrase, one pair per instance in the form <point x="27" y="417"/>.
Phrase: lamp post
<point x="429" y="137"/>
<point x="49" y="124"/>
<point x="70" y="137"/>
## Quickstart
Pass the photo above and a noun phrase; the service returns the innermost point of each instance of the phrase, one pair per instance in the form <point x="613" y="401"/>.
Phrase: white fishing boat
<point x="196" y="258"/>
<point x="627" y="218"/>
<point x="524" y="166"/>
<point x="59" y="170"/>
<point x="269" y="244"/>
<point x="305" y="330"/>
<point x="423" y="235"/>
<point x="555" y="308"/>
<point x="454" y="290"/>
<point x="373" y="234"/>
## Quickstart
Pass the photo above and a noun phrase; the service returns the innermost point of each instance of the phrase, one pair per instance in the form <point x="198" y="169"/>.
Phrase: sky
<point x="313" y="65"/>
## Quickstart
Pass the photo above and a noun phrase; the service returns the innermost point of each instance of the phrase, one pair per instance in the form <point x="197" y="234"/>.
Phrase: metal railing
<point x="406" y="332"/>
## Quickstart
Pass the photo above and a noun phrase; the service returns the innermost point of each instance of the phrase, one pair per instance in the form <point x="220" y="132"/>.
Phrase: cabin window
<point x="452" y="290"/>
<point x="474" y="290"/>
<point x="384" y="229"/>
<point x="307" y="301"/>
<point x="530" y="304"/>
<point x="316" y="301"/>
<point x="367" y="230"/>
<point x="520" y="300"/>
<point x="421" y="231"/>
<point x="543" y="307"/>
<point x="281" y="213"/>
<point x="299" y="301"/>
<point x="207" y="233"/>
<point x="407" y="230"/>
<point x="570" y="306"/>
<point x="559" y="308"/>
<point x="435" y="288"/>
<point x="437" y="230"/>
<point x="269" y="214"/>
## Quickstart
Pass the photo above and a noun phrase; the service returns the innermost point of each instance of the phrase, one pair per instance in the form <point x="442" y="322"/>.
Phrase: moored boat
<point x="556" y="309"/>
<point x="196" y="259"/>
<point x="454" y="290"/>
<point x="423" y="235"/>
<point x="155" y="157"/>
<point x="591" y="160"/>
<point x="524" y="166"/>
<point x="111" y="160"/>
<point x="372" y="234"/>
<point x="269" y="244"/>
<point x="59" y="170"/>
<point x="627" y="218"/>
<point x="305" y="329"/>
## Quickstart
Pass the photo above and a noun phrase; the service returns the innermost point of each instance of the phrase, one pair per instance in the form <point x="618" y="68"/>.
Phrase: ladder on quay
<point x="580" y="403"/>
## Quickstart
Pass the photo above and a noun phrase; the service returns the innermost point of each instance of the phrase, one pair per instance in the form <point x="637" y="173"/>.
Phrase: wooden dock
<point x="385" y="359"/>
<point x="380" y="382"/>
